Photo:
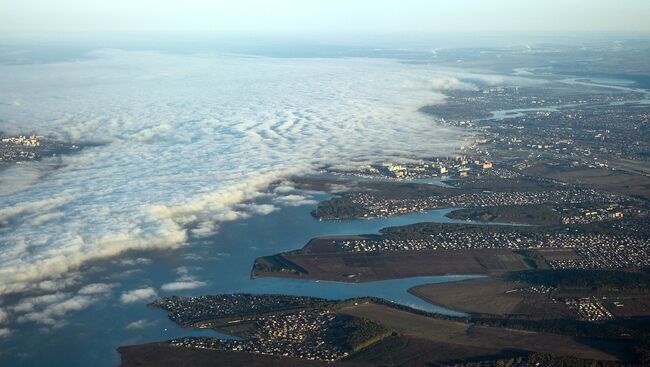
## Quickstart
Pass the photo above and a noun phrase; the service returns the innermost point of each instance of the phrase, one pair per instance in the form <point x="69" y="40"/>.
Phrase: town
<point x="300" y="327"/>
<point x="199" y="311"/>
<point x="374" y="206"/>
<point x="20" y="148"/>
<point x="592" y="251"/>
<point x="301" y="334"/>
<point x="459" y="165"/>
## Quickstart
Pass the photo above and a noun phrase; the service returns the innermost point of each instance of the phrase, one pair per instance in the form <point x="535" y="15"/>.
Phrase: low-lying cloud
<point x="53" y="314"/>
<point x="51" y="309"/>
<point x="138" y="295"/>
<point x="5" y="332"/>
<point x="182" y="285"/>
<point x="189" y="141"/>
<point x="96" y="288"/>
<point x="185" y="281"/>
<point x="139" y="324"/>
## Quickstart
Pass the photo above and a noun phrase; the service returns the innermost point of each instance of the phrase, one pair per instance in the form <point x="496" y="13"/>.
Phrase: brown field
<point x="491" y="339"/>
<point x="164" y="355"/>
<point x="396" y="350"/>
<point x="559" y="254"/>
<point x="406" y="351"/>
<point x="485" y="295"/>
<point x="323" y="263"/>
<point x="628" y="305"/>
<point x="241" y="329"/>
<point x="492" y="296"/>
<point x="625" y="183"/>
<point x="631" y="166"/>
<point x="368" y="267"/>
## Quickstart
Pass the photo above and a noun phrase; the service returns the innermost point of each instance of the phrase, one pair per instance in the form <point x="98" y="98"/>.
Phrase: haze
<point x="20" y="18"/>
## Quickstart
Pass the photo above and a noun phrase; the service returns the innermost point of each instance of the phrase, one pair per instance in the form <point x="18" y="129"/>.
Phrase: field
<point x="486" y="339"/>
<point x="492" y="296"/>
<point x="476" y="296"/>
<point x="527" y="214"/>
<point x="558" y="254"/>
<point x="624" y="183"/>
<point x="320" y="261"/>
<point x="164" y="355"/>
<point x="628" y="305"/>
<point x="512" y="299"/>
<point x="408" y="351"/>
<point x="396" y="350"/>
<point x="417" y="340"/>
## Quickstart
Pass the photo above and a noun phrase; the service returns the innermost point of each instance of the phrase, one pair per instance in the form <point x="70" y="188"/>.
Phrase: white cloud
<point x="188" y="139"/>
<point x="53" y="313"/>
<point x="33" y="206"/>
<point x="140" y="324"/>
<point x="18" y="178"/>
<point x="57" y="284"/>
<point x="137" y="261"/>
<point x="4" y="316"/>
<point x="182" y="285"/>
<point x="185" y="281"/>
<point x="30" y="303"/>
<point x="5" y="332"/>
<point x="284" y="188"/>
<point x="138" y="295"/>
<point x="124" y="274"/>
<point x="42" y="219"/>
<point x="97" y="288"/>
<point x="451" y="83"/>
<point x="182" y="270"/>
<point x="295" y="200"/>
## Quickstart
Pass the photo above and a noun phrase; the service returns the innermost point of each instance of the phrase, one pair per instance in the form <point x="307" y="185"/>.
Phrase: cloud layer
<point x="188" y="139"/>
<point x="138" y="295"/>
<point x="50" y="309"/>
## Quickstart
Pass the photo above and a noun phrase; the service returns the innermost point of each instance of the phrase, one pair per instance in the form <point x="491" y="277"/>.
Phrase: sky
<point x="19" y="18"/>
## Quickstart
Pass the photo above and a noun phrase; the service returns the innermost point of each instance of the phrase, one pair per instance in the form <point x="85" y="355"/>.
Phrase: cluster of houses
<point x="31" y="141"/>
<point x="300" y="334"/>
<point x="594" y="251"/>
<point x="589" y="309"/>
<point x="454" y="166"/>
<point x="377" y="206"/>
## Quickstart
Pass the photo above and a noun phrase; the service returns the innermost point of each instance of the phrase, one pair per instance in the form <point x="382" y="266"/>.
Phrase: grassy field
<point x="398" y="337"/>
<point x="554" y="254"/>
<point x="503" y="298"/>
<point x="487" y="339"/>
<point x="407" y="351"/>
<point x="363" y="267"/>
<point x="629" y="305"/>
<point x="242" y="329"/>
<point x="625" y="183"/>
<point x="393" y="351"/>
<point x="485" y="295"/>
<point x="494" y="297"/>
<point x="526" y="214"/>
<point x="164" y="355"/>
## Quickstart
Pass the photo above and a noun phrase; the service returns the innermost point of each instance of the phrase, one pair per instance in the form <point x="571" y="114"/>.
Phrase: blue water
<point x="393" y="290"/>
<point x="91" y="336"/>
